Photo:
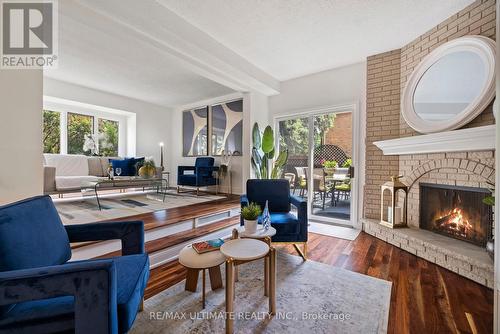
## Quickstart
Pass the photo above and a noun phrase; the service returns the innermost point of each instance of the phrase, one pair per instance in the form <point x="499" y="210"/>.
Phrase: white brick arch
<point x="487" y="173"/>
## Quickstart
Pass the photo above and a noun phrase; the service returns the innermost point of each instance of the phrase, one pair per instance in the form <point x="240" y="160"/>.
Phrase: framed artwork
<point x="227" y="128"/>
<point x="195" y="132"/>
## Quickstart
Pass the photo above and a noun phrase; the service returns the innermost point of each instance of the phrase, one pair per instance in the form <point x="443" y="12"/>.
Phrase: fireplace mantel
<point x="472" y="139"/>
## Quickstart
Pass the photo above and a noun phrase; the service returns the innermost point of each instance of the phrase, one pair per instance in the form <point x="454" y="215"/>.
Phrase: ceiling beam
<point x="170" y="33"/>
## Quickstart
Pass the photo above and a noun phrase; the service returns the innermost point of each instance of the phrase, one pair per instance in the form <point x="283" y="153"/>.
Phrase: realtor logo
<point x="29" y="34"/>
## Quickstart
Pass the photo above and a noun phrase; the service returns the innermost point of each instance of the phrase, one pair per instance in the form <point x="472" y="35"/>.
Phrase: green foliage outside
<point x="330" y="164"/>
<point x="347" y="163"/>
<point x="108" y="138"/>
<point x="51" y="132"/>
<point x="294" y="133"/>
<point x="251" y="211"/>
<point x="78" y="127"/>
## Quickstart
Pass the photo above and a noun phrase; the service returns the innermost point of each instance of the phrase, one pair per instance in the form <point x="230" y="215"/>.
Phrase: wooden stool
<point x="239" y="251"/>
<point x="195" y="262"/>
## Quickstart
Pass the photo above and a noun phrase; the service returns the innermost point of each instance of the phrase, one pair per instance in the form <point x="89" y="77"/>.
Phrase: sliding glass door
<point x="320" y="166"/>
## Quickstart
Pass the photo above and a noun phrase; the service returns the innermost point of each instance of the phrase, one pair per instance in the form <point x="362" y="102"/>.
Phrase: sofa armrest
<point x="130" y="233"/>
<point x="87" y="281"/>
<point x="301" y="205"/>
<point x="49" y="179"/>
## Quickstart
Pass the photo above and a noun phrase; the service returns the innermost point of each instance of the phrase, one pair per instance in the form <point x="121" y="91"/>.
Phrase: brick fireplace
<point x="469" y="167"/>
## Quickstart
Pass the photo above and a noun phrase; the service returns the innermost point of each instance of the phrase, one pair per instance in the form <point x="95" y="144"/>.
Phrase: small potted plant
<point x="250" y="214"/>
<point x="329" y="166"/>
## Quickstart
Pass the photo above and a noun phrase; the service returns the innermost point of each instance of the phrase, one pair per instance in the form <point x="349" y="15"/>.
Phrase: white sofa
<point x="65" y="173"/>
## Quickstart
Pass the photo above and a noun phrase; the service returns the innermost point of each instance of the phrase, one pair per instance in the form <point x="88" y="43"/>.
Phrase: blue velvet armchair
<point x="290" y="227"/>
<point x="201" y="176"/>
<point x="41" y="292"/>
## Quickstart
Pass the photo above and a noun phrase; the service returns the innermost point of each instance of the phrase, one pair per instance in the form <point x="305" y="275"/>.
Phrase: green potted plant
<point x="267" y="163"/>
<point x="347" y="163"/>
<point x="250" y="214"/>
<point x="329" y="166"/>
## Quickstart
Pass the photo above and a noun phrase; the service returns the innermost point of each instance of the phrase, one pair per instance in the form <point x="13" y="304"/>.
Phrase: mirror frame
<point x="482" y="46"/>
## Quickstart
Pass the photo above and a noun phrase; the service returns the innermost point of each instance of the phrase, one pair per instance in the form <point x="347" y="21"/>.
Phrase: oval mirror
<point x="451" y="86"/>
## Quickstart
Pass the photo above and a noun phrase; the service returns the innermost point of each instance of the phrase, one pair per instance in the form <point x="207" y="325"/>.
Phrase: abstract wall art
<point x="195" y="132"/>
<point x="227" y="128"/>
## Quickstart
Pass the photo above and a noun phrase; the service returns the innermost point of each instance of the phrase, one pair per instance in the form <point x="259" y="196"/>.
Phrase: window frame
<point x="63" y="125"/>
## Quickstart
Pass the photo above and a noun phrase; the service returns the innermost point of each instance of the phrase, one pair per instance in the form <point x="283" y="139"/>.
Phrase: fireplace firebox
<point x="457" y="212"/>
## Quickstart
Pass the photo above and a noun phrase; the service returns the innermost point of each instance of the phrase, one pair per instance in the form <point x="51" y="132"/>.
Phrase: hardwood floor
<point x="425" y="297"/>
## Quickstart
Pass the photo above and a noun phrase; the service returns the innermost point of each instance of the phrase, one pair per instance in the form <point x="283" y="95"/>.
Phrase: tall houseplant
<point x="264" y="152"/>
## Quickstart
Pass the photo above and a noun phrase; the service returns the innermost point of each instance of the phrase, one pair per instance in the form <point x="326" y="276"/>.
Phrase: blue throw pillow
<point x="127" y="166"/>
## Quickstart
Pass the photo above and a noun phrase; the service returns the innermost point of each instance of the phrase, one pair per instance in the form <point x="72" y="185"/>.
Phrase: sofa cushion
<point x="132" y="272"/>
<point x="68" y="164"/>
<point x="127" y="165"/>
<point x="65" y="183"/>
<point x="32" y="235"/>
<point x="95" y="166"/>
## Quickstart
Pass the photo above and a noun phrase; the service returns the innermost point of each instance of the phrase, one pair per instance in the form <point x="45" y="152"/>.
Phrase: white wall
<point x="340" y="86"/>
<point x="256" y="107"/>
<point x="21" y="173"/>
<point x="151" y="123"/>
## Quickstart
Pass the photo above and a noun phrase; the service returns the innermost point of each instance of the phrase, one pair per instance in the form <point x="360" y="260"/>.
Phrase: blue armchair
<point x="202" y="175"/>
<point x="41" y="292"/>
<point x="290" y="228"/>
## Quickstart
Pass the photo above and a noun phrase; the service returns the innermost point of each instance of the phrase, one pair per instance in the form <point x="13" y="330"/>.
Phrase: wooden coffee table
<point x="239" y="251"/>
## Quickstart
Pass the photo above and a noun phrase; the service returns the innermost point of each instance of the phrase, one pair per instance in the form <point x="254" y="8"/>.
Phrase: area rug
<point x="85" y="210"/>
<point x="311" y="298"/>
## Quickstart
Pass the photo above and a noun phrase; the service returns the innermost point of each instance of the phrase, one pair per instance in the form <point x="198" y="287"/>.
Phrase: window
<point x="79" y="126"/>
<point x="108" y="137"/>
<point x="51" y="132"/>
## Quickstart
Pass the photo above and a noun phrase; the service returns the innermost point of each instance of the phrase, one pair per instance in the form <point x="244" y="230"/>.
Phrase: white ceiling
<point x="291" y="38"/>
<point x="98" y="53"/>
<point x="177" y="52"/>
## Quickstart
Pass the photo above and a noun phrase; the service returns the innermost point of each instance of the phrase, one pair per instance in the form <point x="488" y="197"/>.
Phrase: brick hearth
<point x="458" y="256"/>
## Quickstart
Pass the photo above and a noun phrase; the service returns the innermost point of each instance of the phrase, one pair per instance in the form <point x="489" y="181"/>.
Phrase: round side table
<point x="239" y="251"/>
<point x="195" y="262"/>
<point x="260" y="234"/>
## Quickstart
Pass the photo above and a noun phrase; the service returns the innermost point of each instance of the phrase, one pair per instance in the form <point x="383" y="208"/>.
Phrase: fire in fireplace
<point x="457" y="212"/>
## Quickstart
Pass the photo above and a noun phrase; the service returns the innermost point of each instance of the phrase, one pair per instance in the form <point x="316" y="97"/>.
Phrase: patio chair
<point x="302" y="180"/>
<point x="291" y="178"/>
<point x="319" y="184"/>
